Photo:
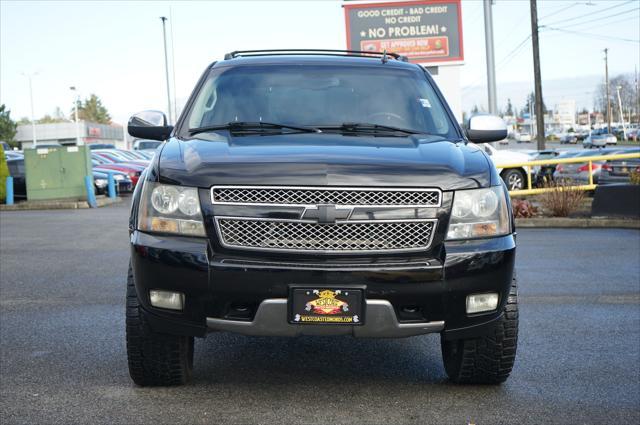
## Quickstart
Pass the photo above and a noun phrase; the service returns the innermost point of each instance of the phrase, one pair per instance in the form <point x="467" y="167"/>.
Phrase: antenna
<point x="384" y="56"/>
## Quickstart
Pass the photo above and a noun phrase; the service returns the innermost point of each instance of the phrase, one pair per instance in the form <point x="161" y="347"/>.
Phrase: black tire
<point x="514" y="179"/>
<point x="155" y="359"/>
<point x="487" y="359"/>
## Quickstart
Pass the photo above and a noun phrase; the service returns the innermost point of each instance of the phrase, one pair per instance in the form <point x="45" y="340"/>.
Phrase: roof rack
<point x="279" y="52"/>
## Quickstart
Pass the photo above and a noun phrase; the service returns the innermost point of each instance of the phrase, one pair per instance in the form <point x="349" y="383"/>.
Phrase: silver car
<point x="578" y="172"/>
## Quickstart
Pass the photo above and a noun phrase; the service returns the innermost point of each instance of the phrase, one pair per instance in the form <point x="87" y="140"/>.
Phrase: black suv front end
<point x="365" y="230"/>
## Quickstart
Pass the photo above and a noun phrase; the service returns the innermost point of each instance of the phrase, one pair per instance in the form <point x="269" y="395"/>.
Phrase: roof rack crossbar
<point x="242" y="53"/>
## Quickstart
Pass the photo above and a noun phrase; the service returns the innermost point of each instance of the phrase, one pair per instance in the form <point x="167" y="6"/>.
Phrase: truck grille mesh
<point x="335" y="196"/>
<point x="341" y="237"/>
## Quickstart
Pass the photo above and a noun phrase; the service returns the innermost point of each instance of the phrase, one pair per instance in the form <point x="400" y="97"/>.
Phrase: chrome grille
<point x="341" y="237"/>
<point x="255" y="195"/>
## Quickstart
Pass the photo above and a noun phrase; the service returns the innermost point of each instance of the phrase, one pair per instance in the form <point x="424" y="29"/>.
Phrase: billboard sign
<point x="424" y="31"/>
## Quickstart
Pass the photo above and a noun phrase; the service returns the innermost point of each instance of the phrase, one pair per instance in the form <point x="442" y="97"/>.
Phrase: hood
<point x="323" y="159"/>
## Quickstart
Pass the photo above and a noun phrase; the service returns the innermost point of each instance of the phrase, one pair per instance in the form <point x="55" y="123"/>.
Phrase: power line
<point x="599" y="18"/>
<point x="561" y="10"/>
<point x="591" y="13"/>
<point x="598" y="36"/>
<point x="615" y="21"/>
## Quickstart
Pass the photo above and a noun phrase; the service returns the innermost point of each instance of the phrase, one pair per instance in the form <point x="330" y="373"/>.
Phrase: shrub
<point x="634" y="177"/>
<point x="562" y="199"/>
<point x="523" y="208"/>
<point x="4" y="172"/>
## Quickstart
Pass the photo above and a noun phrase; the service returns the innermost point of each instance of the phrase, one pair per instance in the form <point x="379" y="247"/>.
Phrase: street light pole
<point x="33" y="117"/>
<point x="606" y="82"/>
<point x="491" y="66"/>
<point x="166" y="67"/>
<point x="75" y="112"/>
<point x="624" y="128"/>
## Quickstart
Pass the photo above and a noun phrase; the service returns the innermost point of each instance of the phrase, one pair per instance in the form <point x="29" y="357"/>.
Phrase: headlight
<point x="479" y="213"/>
<point x="170" y="209"/>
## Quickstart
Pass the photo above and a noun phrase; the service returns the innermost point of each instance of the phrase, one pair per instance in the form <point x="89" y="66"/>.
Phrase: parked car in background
<point x="16" y="170"/>
<point x="143" y="144"/>
<point x="619" y="170"/>
<point x="514" y="177"/>
<point x="94" y="146"/>
<point x="599" y="140"/>
<point x="119" y="156"/>
<point x="569" y="138"/>
<point x="545" y="173"/>
<point x="13" y="154"/>
<point x="542" y="173"/>
<point x="132" y="170"/>
<point x="524" y="137"/>
<point x="579" y="172"/>
<point x="101" y="180"/>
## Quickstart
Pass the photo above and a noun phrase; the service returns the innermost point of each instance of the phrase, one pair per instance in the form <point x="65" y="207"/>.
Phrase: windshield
<point x="320" y="95"/>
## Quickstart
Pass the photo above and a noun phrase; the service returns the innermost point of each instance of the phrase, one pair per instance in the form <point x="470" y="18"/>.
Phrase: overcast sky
<point x="114" y="48"/>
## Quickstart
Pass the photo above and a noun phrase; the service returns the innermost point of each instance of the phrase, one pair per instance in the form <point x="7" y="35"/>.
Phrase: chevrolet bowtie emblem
<point x="327" y="214"/>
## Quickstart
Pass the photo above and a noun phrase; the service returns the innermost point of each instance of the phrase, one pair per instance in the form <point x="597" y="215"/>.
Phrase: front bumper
<point x="435" y="289"/>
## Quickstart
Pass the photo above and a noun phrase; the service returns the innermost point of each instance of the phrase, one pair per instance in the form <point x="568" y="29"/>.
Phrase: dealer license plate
<point x="326" y="306"/>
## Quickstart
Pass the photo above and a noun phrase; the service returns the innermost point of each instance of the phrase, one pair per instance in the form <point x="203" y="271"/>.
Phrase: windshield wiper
<point x="252" y="126"/>
<point x="357" y="127"/>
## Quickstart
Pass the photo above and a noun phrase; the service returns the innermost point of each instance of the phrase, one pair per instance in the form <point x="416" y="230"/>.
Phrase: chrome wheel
<point x="514" y="180"/>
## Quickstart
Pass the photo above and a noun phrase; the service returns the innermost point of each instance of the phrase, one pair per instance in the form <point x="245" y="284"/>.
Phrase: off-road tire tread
<point x="155" y="359"/>
<point x="488" y="359"/>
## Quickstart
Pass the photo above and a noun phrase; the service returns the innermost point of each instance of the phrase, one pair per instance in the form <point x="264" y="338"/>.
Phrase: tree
<point x="509" y="110"/>
<point x="530" y="105"/>
<point x="24" y="121"/>
<point x="475" y="109"/>
<point x="8" y="127"/>
<point x="627" y="96"/>
<point x="93" y="110"/>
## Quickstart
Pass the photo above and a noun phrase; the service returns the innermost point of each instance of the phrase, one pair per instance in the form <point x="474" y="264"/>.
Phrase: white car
<point x="514" y="177"/>
<point x="524" y="137"/>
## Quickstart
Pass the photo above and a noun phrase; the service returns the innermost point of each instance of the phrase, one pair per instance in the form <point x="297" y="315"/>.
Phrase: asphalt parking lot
<point x="62" y="350"/>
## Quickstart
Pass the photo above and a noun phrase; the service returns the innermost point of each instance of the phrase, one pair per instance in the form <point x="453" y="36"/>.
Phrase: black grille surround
<point x="342" y="237"/>
<point x="312" y="196"/>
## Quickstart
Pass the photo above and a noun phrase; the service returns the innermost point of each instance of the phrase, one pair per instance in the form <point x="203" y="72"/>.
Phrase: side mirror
<point x="486" y="128"/>
<point x="149" y="125"/>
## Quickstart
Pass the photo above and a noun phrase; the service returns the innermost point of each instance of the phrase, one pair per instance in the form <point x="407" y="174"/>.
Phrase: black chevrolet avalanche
<point x="320" y="193"/>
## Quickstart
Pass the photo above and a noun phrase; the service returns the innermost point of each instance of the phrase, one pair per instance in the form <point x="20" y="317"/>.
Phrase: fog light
<point x="167" y="299"/>
<point x="479" y="303"/>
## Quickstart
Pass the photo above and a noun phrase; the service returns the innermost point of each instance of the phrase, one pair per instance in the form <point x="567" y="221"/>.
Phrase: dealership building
<point x="66" y="133"/>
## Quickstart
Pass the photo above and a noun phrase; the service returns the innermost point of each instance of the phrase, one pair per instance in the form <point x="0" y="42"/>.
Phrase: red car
<point x="132" y="170"/>
<point x="110" y="158"/>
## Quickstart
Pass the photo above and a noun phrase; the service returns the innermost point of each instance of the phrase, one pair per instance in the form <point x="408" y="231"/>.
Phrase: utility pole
<point x="491" y="66"/>
<point x="33" y="117"/>
<point x="606" y="82"/>
<point x="536" y="75"/>
<point x="166" y="67"/>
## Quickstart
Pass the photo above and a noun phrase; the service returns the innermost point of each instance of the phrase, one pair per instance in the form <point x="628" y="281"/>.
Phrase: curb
<point x="563" y="222"/>
<point x="58" y="205"/>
